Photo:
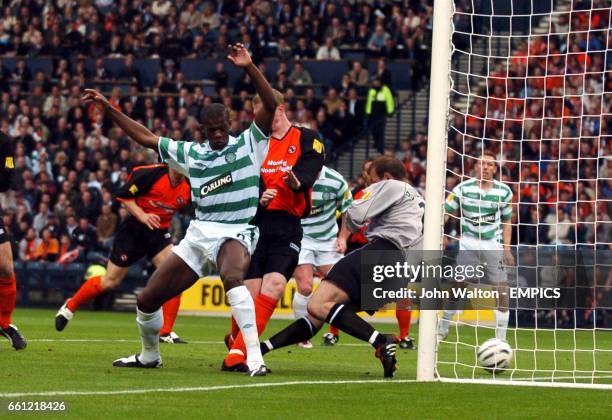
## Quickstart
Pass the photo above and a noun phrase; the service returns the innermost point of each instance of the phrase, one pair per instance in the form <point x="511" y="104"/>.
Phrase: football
<point x="494" y="355"/>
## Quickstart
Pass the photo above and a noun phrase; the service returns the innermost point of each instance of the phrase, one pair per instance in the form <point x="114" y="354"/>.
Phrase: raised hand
<point x="239" y="55"/>
<point x="95" y="97"/>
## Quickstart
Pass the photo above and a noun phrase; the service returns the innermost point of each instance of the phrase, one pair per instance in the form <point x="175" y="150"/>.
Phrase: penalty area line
<point x="199" y="388"/>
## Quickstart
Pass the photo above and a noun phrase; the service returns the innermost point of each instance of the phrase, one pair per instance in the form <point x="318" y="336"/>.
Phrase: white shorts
<point x="318" y="253"/>
<point x="203" y="241"/>
<point x="492" y="257"/>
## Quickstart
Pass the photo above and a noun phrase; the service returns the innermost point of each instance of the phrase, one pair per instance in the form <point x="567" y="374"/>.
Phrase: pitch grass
<point x="63" y="365"/>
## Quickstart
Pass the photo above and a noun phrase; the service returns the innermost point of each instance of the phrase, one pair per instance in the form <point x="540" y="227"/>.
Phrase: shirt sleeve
<point x="506" y="210"/>
<point x="7" y="162"/>
<point x="258" y="142"/>
<point x="175" y="154"/>
<point x="344" y="197"/>
<point x="451" y="204"/>
<point x="140" y="182"/>
<point x="311" y="160"/>
<point x="375" y="200"/>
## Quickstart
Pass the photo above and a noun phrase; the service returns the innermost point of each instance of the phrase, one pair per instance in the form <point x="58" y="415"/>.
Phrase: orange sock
<point x="264" y="308"/>
<point x="235" y="329"/>
<point x="8" y="295"/>
<point x="170" y="311"/>
<point x="88" y="291"/>
<point x="403" y="319"/>
<point x="335" y="331"/>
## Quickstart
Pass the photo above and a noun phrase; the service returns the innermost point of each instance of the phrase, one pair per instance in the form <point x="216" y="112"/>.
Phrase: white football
<point x="494" y="355"/>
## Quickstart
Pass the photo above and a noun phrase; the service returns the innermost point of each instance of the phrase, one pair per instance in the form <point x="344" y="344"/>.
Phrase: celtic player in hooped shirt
<point x="484" y="205"/>
<point x="224" y="178"/>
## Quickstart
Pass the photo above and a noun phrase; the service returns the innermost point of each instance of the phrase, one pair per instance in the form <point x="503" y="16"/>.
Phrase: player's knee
<point x="317" y="309"/>
<point x="146" y="302"/>
<point x="231" y="278"/>
<point x="274" y="286"/>
<point x="6" y="270"/>
<point x="305" y="288"/>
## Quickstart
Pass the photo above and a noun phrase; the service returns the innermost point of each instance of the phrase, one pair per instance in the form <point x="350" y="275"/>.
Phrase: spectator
<point x="48" y="247"/>
<point x="378" y="38"/>
<point x="379" y="106"/>
<point x="300" y="76"/>
<point x="332" y="101"/>
<point x="105" y="227"/>
<point x="84" y="236"/>
<point x="42" y="217"/>
<point x="328" y="51"/>
<point x="27" y="246"/>
<point x="220" y="77"/>
<point x="303" y="51"/>
<point x="358" y="75"/>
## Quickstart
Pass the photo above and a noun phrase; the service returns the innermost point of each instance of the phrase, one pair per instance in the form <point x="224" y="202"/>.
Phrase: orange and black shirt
<point x="303" y="153"/>
<point x="150" y="187"/>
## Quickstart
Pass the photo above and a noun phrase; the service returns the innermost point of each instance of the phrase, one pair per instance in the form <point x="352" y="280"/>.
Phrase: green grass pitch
<point x="79" y="360"/>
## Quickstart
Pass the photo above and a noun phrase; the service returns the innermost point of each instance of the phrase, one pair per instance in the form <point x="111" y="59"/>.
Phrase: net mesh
<point x="532" y="82"/>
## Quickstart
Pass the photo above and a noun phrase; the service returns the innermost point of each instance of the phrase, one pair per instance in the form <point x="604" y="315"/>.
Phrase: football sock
<point x="89" y="290"/>
<point x="345" y="319"/>
<point x="170" y="311"/>
<point x="264" y="308"/>
<point x="243" y="310"/>
<point x="149" y="326"/>
<point x="300" y="305"/>
<point x="235" y="329"/>
<point x="501" y="324"/>
<point x="300" y="330"/>
<point x="403" y="320"/>
<point x="333" y="330"/>
<point x="8" y="295"/>
<point x="447" y="316"/>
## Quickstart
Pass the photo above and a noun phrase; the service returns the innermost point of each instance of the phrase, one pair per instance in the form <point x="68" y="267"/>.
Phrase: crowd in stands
<point x="546" y="111"/>
<point x="70" y="159"/>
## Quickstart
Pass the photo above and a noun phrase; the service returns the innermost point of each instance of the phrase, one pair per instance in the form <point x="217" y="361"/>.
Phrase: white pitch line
<point x="199" y="388"/>
<point x="118" y="340"/>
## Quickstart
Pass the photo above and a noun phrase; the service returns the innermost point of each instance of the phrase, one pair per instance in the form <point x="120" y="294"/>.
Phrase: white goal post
<point x="530" y="81"/>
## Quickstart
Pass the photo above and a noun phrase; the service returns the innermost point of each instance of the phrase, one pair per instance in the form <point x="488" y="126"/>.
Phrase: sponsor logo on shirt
<point x="295" y="247"/>
<point x="215" y="184"/>
<point x="316" y="210"/>
<point x="291" y="150"/>
<point x="230" y="157"/>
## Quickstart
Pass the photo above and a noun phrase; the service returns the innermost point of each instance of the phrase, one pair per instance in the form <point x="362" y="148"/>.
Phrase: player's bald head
<point x="390" y="166"/>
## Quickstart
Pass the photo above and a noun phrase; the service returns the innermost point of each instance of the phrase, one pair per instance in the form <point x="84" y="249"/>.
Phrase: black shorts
<point x="347" y="273"/>
<point x="134" y="240"/>
<point x="278" y="247"/>
<point x="3" y="233"/>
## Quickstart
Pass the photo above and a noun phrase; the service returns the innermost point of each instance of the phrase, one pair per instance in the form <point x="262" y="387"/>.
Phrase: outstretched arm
<point x="241" y="58"/>
<point x="137" y="132"/>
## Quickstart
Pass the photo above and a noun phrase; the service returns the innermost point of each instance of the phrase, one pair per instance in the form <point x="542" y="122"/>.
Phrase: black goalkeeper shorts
<point x="134" y="240"/>
<point x="347" y="272"/>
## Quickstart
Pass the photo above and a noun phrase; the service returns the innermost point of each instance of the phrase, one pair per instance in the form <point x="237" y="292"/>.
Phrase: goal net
<point x="531" y="82"/>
